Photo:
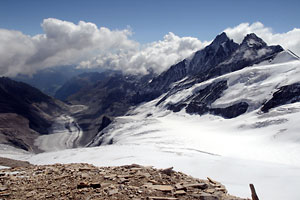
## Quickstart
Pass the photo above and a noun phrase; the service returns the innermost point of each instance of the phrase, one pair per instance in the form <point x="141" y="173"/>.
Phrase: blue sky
<point x="151" y="20"/>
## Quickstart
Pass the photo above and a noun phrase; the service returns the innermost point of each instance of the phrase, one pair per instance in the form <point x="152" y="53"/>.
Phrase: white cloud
<point x="62" y="43"/>
<point x="156" y="56"/>
<point x="289" y="40"/>
<point x="86" y="45"/>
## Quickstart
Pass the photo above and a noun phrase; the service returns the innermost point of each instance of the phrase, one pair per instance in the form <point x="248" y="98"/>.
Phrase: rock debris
<point x="87" y="182"/>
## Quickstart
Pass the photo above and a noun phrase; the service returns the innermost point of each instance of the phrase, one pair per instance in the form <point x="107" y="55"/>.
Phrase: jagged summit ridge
<point x="221" y="48"/>
<point x="220" y="39"/>
<point x="222" y="56"/>
<point x="252" y="40"/>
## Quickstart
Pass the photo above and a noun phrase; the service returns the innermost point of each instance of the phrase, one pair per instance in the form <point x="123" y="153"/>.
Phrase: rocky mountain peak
<point x="220" y="39"/>
<point x="252" y="40"/>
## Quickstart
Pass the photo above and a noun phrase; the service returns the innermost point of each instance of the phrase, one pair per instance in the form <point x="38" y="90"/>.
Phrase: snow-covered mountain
<point x="241" y="126"/>
<point x="227" y="80"/>
<point x="230" y="111"/>
<point x="255" y="102"/>
<point x="222" y="56"/>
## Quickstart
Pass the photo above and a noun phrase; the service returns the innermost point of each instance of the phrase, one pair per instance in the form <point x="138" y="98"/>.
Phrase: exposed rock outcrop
<point x="25" y="113"/>
<point x="84" y="181"/>
<point x="285" y="95"/>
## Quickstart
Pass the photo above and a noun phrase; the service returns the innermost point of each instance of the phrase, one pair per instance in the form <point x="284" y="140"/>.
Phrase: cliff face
<point x="84" y="181"/>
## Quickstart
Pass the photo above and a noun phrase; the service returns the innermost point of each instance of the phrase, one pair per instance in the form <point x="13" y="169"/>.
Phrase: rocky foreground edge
<point x="85" y="181"/>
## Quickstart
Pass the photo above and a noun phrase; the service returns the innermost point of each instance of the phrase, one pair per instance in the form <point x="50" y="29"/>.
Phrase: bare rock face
<point x="25" y="113"/>
<point x="285" y="95"/>
<point x="84" y="181"/>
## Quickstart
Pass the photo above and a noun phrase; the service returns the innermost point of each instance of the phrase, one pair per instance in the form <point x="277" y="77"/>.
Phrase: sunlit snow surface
<point x="259" y="148"/>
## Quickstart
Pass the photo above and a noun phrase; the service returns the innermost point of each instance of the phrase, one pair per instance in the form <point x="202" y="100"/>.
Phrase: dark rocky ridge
<point x="15" y="131"/>
<point x="285" y="95"/>
<point x="25" y="113"/>
<point x="24" y="100"/>
<point x="200" y="103"/>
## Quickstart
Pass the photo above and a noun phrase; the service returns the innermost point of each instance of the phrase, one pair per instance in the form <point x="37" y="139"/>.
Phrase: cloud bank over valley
<point x="88" y="46"/>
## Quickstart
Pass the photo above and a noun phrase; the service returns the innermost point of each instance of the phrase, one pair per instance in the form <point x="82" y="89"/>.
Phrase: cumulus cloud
<point x="155" y="57"/>
<point x="62" y="43"/>
<point x="289" y="40"/>
<point x="88" y="46"/>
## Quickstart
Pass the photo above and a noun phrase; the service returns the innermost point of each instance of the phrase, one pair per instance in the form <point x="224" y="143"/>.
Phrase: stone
<point x="112" y="192"/>
<point x="168" y="171"/>
<point x="162" y="198"/>
<point x="82" y="185"/>
<point x="165" y="188"/>
<point x="86" y="168"/>
<point x="201" y="186"/>
<point x="210" y="191"/>
<point x="103" y="185"/>
<point x="180" y="192"/>
<point x="208" y="197"/>
<point x="5" y="194"/>
<point x="124" y="176"/>
<point x="110" y="177"/>
<point x="60" y="177"/>
<point x="3" y="188"/>
<point x="123" y="180"/>
<point x="30" y="194"/>
<point x="223" y="189"/>
<point x="85" y="175"/>
<point x="211" y="180"/>
<point x="95" y="185"/>
<point x="153" y="181"/>
<point x="179" y="186"/>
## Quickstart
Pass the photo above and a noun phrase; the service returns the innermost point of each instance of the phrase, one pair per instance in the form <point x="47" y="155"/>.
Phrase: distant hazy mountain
<point x="79" y="82"/>
<point x="51" y="79"/>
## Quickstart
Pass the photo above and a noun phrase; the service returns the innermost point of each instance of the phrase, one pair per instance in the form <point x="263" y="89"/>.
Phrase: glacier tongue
<point x="64" y="134"/>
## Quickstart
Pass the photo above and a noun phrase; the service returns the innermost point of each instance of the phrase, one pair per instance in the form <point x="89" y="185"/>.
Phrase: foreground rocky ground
<point x="85" y="181"/>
